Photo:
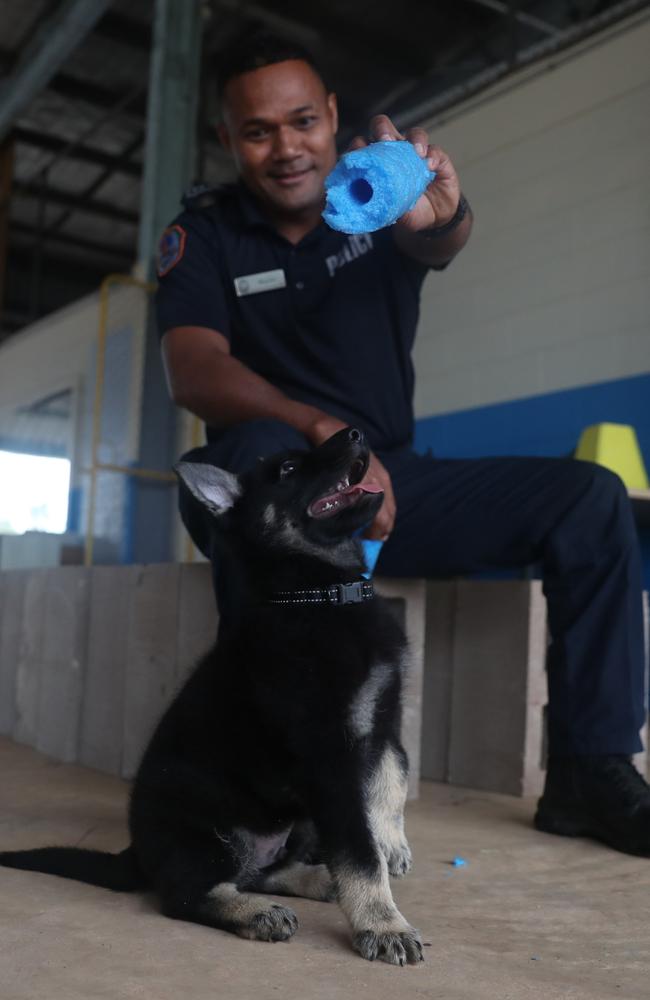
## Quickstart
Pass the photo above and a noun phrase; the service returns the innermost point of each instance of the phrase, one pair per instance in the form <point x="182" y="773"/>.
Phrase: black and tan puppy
<point x="278" y="768"/>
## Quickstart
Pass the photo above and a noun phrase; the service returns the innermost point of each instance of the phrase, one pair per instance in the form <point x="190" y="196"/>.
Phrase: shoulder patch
<point x="170" y="249"/>
<point x="200" y="196"/>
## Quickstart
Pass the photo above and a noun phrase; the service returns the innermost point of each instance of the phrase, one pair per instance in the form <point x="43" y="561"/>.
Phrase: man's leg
<point x="573" y="518"/>
<point x="236" y="450"/>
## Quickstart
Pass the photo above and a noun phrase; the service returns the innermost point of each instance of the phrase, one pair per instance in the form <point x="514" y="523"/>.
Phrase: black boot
<point x="603" y="797"/>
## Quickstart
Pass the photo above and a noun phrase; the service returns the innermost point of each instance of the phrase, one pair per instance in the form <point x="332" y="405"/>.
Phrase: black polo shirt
<point x="330" y="321"/>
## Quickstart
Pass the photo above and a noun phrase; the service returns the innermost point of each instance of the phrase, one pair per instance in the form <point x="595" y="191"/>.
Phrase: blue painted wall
<point x="539" y="425"/>
<point x="543" y="425"/>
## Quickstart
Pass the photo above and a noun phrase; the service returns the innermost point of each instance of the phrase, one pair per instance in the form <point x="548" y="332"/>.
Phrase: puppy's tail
<point x="119" y="872"/>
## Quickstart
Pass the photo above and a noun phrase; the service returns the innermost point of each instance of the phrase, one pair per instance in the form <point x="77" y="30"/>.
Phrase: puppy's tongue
<point x="326" y="506"/>
<point x="368" y="486"/>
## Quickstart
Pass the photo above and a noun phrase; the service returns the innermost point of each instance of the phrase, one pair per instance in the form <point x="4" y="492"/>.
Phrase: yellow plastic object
<point x="616" y="447"/>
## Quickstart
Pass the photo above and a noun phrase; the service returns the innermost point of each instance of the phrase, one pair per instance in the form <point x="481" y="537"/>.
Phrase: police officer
<point x="278" y="331"/>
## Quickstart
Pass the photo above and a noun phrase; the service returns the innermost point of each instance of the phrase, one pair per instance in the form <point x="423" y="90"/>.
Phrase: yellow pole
<point x="165" y="477"/>
<point x="197" y="426"/>
<point x="95" y="465"/>
<point x="97" y="414"/>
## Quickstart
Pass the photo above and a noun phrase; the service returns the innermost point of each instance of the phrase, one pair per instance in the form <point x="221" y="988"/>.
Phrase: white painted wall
<point x="55" y="354"/>
<point x="553" y="289"/>
<point x="59" y="352"/>
<point x="46" y="357"/>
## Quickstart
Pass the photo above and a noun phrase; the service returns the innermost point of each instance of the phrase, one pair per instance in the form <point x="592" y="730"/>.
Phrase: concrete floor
<point x="530" y="916"/>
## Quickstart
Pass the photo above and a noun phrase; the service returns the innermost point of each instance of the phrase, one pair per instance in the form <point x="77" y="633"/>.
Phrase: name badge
<point x="265" y="281"/>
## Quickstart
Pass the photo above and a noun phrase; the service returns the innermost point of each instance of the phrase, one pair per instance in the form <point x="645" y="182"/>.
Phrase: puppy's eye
<point x="287" y="469"/>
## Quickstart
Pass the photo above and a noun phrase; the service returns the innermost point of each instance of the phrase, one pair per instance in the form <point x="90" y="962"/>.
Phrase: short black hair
<point x="258" y="50"/>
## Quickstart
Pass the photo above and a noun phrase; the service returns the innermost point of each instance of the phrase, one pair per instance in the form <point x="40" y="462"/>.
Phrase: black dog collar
<point x="336" y="593"/>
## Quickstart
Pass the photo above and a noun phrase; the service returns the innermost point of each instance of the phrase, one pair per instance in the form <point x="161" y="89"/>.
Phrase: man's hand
<point x="323" y="428"/>
<point x="383" y="523"/>
<point x="438" y="204"/>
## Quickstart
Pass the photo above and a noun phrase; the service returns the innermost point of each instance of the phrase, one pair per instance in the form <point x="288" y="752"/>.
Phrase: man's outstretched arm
<point x="205" y="379"/>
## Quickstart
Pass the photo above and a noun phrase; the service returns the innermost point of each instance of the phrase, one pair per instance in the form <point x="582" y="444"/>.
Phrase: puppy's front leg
<point x="379" y="929"/>
<point x="360" y="874"/>
<point x="386" y="797"/>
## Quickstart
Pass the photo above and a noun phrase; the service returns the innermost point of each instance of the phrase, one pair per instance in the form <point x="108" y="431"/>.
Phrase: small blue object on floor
<point x="371" y="550"/>
<point x="372" y="187"/>
<point x="458" y="862"/>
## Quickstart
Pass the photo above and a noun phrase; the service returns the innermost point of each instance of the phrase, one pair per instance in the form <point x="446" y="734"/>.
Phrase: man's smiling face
<point x="279" y="123"/>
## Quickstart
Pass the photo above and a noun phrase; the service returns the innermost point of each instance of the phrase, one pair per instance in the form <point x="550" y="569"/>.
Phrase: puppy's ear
<point x="215" y="488"/>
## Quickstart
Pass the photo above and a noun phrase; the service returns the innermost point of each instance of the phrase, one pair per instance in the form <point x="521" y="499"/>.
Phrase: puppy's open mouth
<point x="348" y="491"/>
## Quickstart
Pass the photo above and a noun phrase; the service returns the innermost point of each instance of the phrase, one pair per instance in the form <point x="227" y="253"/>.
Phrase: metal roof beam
<point x="424" y="109"/>
<point x="314" y="27"/>
<point x="73" y="89"/>
<point x="507" y="9"/>
<point x="123" y="254"/>
<point x="125" y="31"/>
<point x="87" y="195"/>
<point x="292" y="26"/>
<point x="55" y="196"/>
<point x="85" y="154"/>
<point x="55" y="39"/>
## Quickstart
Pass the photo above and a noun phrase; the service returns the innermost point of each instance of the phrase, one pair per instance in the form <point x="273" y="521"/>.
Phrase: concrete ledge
<point x="90" y="658"/>
<point x="485" y="690"/>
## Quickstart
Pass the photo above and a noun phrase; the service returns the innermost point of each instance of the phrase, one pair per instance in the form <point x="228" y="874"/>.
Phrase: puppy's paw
<point x="275" y="924"/>
<point x="396" y="948"/>
<point x="399" y="859"/>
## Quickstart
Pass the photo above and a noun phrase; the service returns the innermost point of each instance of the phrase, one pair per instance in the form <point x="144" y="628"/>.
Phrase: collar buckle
<point x="345" y="593"/>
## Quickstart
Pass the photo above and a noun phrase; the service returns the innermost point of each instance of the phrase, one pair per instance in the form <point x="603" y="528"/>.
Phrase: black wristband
<point x="435" y="232"/>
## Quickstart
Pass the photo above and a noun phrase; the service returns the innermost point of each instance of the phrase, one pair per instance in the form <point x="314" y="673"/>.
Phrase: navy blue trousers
<point x="460" y="516"/>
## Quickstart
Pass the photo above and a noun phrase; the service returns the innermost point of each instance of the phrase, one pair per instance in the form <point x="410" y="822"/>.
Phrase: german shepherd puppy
<point x="278" y="768"/>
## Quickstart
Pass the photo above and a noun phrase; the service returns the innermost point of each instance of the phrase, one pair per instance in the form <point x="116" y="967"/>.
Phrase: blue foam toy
<point x="371" y="550"/>
<point x="372" y="187"/>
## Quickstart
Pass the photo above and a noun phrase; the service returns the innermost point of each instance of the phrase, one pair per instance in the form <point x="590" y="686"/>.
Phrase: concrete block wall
<point x="485" y="690"/>
<point x="485" y="686"/>
<point x="39" y="548"/>
<point x="90" y="658"/>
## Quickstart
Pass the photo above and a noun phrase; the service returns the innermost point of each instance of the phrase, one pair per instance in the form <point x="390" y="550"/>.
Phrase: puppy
<point x="278" y="768"/>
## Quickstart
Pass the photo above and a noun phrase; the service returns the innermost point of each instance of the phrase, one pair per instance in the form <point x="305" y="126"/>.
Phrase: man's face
<point x="279" y="124"/>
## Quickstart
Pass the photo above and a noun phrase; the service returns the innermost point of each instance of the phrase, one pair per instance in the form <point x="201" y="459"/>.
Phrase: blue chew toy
<point x="372" y="187"/>
<point x="371" y="550"/>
